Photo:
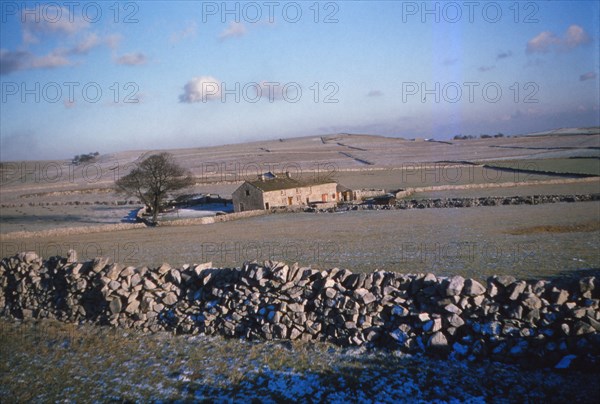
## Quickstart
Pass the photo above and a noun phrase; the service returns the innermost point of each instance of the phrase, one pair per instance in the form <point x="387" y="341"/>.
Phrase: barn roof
<point x="278" y="183"/>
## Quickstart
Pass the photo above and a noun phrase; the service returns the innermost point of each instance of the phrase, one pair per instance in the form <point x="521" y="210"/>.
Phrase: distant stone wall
<point x="548" y="322"/>
<point x="478" y="201"/>
<point x="508" y="184"/>
<point x="70" y="203"/>
<point x="71" y="231"/>
<point x="215" y="219"/>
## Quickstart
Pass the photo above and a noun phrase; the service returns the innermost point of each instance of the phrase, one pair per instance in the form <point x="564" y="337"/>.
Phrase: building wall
<point x="247" y="197"/>
<point x="346" y="196"/>
<point x="300" y="196"/>
<point x="256" y="199"/>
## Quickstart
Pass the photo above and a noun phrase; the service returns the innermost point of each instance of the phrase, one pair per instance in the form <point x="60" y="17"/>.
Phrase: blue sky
<point x="94" y="76"/>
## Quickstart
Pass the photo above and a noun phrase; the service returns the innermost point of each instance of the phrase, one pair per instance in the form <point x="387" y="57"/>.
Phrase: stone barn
<point x="271" y="191"/>
<point x="345" y="194"/>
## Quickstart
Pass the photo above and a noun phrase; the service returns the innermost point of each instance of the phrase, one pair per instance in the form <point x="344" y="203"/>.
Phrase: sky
<point x="81" y="77"/>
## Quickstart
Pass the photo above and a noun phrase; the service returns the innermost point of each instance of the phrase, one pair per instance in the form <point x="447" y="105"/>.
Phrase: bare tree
<point x="153" y="179"/>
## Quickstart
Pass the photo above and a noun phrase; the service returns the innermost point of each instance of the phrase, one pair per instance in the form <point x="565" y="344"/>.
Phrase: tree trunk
<point x="155" y="210"/>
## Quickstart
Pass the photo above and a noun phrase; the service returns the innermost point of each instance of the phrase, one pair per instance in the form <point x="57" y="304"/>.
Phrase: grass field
<point x="587" y="187"/>
<point x="474" y="242"/>
<point x="35" y="209"/>
<point x="46" y="361"/>
<point x="416" y="175"/>
<point x="558" y="165"/>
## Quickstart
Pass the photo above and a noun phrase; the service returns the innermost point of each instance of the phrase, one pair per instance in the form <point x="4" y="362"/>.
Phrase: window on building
<point x="247" y="192"/>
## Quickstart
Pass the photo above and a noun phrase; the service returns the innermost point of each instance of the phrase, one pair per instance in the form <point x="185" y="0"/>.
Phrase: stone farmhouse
<point x="272" y="191"/>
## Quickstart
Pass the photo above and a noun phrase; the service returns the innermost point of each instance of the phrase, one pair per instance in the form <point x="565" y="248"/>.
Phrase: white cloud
<point x="51" y="60"/>
<point x="576" y="36"/>
<point x="201" y="89"/>
<point x="484" y="69"/>
<point x="208" y="88"/>
<point x="56" y="20"/>
<point x="542" y="42"/>
<point x="46" y="23"/>
<point x="11" y="61"/>
<point x="547" y="41"/>
<point x="234" y="29"/>
<point x="132" y="59"/>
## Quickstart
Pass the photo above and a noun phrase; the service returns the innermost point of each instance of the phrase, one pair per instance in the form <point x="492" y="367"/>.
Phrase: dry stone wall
<point x="468" y="202"/>
<point x="503" y="318"/>
<point x="494" y="201"/>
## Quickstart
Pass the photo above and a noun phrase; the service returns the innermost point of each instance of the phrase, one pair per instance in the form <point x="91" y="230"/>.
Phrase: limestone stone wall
<point x="503" y="318"/>
<point x="300" y="196"/>
<point x="467" y="202"/>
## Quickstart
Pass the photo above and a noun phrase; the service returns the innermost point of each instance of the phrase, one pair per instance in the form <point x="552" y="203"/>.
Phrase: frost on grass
<point x="46" y="361"/>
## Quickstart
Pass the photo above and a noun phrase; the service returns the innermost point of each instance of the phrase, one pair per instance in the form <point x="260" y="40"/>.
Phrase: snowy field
<point x="47" y="361"/>
<point x="206" y="210"/>
<point x="42" y="195"/>
<point x="523" y="241"/>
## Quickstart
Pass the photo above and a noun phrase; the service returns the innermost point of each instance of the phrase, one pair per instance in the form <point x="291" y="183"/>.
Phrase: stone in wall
<point x="466" y="202"/>
<point x="533" y="321"/>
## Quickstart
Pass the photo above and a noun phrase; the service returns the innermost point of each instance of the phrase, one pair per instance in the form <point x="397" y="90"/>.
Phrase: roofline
<point x="280" y="189"/>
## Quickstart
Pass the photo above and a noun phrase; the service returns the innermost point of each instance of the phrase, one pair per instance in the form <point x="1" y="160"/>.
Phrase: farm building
<point x="345" y="193"/>
<point x="271" y="191"/>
